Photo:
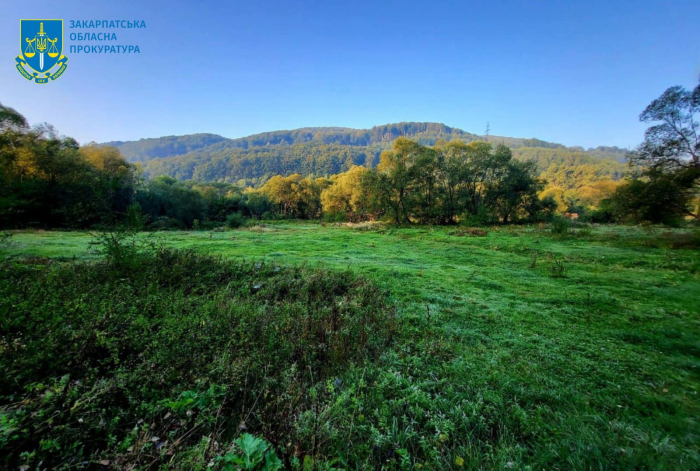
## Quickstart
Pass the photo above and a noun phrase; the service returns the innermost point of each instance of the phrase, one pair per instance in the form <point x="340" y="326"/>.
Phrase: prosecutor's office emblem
<point x="41" y="46"/>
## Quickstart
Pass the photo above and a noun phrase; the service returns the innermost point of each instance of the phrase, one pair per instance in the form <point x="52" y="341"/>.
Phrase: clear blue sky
<point x="575" y="72"/>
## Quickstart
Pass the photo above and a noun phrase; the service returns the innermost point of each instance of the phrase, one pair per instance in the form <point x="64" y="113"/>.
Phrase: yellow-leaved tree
<point x="295" y="196"/>
<point x="345" y="194"/>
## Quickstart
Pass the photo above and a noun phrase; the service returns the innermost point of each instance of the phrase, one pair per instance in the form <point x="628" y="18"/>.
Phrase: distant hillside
<point x="569" y="168"/>
<point x="168" y="146"/>
<point x="328" y="150"/>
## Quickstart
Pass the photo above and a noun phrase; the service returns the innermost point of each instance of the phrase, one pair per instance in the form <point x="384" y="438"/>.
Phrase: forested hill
<point x="329" y="150"/>
<point x="168" y="146"/>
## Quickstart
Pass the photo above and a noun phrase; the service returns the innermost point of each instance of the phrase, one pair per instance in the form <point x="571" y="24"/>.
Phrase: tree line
<point x="47" y="180"/>
<point x="50" y="181"/>
<point x="443" y="184"/>
<point x="225" y="161"/>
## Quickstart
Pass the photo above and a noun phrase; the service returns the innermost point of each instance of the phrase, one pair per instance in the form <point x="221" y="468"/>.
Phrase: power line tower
<point x="488" y="130"/>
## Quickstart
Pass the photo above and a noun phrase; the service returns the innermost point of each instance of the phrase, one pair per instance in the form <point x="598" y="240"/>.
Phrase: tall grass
<point x="155" y="356"/>
<point x="499" y="358"/>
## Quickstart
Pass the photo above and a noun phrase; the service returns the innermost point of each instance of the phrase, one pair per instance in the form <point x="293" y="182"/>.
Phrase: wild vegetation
<point x="327" y="151"/>
<point x="440" y="175"/>
<point x="153" y="349"/>
<point x="387" y="315"/>
<point x="497" y="347"/>
<point x="52" y="182"/>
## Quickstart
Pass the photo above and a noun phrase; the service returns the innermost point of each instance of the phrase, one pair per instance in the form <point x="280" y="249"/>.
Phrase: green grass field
<point x="518" y="349"/>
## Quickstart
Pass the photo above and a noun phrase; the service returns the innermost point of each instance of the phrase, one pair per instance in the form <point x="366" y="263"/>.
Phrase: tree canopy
<point x="666" y="184"/>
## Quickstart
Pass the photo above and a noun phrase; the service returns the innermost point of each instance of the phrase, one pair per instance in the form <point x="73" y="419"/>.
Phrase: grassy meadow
<point x="510" y="348"/>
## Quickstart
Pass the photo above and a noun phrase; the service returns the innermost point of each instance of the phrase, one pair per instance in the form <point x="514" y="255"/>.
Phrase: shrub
<point x="602" y="215"/>
<point x="235" y="220"/>
<point x="134" y="218"/>
<point x="560" y="226"/>
<point x="481" y="218"/>
<point x="334" y="217"/>
<point x="121" y="249"/>
<point x="584" y="232"/>
<point x="662" y="198"/>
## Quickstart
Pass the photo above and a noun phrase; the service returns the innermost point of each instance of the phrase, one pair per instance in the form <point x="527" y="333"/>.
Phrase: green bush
<point x="334" y="217"/>
<point x="481" y="218"/>
<point x="134" y="218"/>
<point x="602" y="215"/>
<point x="560" y="226"/>
<point x="235" y="220"/>
<point x="584" y="232"/>
<point x="210" y="225"/>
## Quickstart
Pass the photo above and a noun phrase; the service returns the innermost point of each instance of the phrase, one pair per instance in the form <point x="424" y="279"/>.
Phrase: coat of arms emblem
<point x="41" y="45"/>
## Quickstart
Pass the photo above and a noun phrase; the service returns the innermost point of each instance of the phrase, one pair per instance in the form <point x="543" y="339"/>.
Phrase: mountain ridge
<point x="268" y="137"/>
<point x="327" y="150"/>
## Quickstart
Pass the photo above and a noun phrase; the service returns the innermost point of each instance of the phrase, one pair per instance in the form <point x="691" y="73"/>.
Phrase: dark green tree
<point x="669" y="159"/>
